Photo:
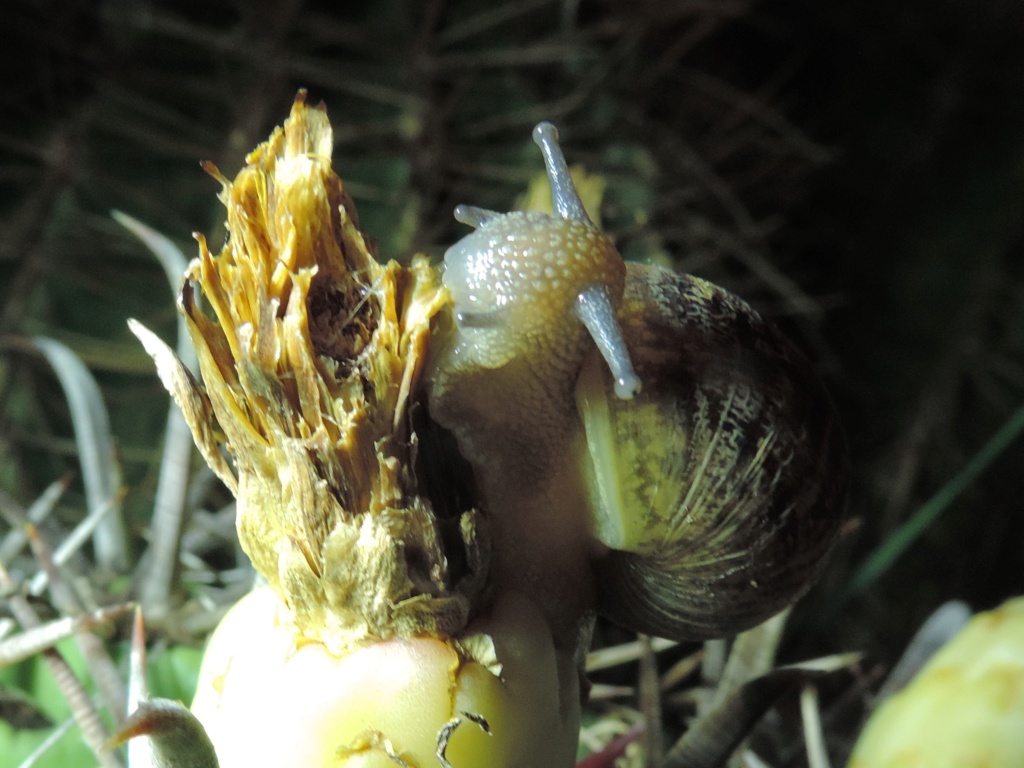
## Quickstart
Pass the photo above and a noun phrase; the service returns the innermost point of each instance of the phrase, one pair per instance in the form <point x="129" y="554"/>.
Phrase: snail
<point x="644" y="442"/>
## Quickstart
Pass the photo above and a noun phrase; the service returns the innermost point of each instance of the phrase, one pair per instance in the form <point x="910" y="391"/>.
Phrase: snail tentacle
<point x="564" y="197"/>
<point x="594" y="308"/>
<point x="473" y="215"/>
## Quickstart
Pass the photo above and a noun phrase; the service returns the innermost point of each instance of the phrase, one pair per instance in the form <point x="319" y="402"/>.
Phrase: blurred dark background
<point x="855" y="170"/>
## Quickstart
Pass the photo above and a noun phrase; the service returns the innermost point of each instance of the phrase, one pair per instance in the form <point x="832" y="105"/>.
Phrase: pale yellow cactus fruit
<point x="409" y="702"/>
<point x="965" y="709"/>
<point x="379" y="640"/>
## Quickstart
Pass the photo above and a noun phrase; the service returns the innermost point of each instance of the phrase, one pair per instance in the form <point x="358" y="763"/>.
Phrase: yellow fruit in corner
<point x="965" y="709"/>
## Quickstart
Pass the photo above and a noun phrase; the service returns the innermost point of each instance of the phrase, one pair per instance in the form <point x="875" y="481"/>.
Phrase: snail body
<point x="645" y="443"/>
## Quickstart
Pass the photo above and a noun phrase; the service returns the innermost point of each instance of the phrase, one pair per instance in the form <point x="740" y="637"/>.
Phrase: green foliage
<point x="172" y="674"/>
<point x="17" y="744"/>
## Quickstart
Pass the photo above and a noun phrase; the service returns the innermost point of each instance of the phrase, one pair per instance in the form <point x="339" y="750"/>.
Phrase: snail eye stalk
<point x="564" y="196"/>
<point x="594" y="307"/>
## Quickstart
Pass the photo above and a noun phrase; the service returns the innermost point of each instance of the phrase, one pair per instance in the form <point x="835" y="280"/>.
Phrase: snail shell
<point x="644" y="441"/>
<point x="719" y="489"/>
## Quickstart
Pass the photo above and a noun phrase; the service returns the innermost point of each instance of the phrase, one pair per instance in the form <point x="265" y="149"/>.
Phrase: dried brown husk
<point x="311" y="356"/>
